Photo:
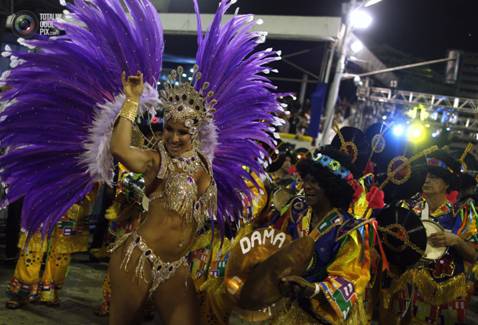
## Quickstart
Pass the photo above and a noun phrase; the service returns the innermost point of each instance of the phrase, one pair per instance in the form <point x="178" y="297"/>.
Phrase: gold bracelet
<point x="129" y="100"/>
<point x="129" y="110"/>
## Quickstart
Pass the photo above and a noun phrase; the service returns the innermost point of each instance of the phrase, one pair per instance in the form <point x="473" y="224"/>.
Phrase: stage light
<point x="418" y="112"/>
<point x="371" y="3"/>
<point x="356" y="46"/>
<point x="360" y="19"/>
<point x="416" y="132"/>
<point x="453" y="119"/>
<point x="398" y="130"/>
<point x="358" y="81"/>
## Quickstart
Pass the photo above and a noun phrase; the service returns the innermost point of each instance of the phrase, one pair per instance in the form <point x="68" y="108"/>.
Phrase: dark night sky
<point x="422" y="28"/>
<point x="425" y="28"/>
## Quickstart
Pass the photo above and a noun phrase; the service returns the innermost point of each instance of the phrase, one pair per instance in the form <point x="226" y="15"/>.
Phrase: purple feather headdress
<point x="246" y="104"/>
<point x="63" y="101"/>
<point x="64" y="98"/>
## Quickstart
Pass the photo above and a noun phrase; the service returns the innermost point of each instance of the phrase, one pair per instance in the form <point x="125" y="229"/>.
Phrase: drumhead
<point x="249" y="251"/>
<point x="431" y="252"/>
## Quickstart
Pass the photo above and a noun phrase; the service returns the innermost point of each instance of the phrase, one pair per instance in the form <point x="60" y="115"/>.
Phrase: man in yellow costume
<point x="31" y="283"/>
<point x="332" y="289"/>
<point x="440" y="285"/>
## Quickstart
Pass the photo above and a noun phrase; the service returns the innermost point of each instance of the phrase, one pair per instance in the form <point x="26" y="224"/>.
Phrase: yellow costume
<point x="337" y="267"/>
<point x="259" y="197"/>
<point x="435" y="292"/>
<point x="208" y="264"/>
<point x="69" y="236"/>
<point x="209" y="260"/>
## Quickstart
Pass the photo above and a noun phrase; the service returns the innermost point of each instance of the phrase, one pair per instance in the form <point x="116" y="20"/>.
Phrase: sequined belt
<point x="161" y="271"/>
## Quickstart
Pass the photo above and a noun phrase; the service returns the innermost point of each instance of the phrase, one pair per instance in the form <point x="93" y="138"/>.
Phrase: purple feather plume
<point x="63" y="100"/>
<point x="246" y="104"/>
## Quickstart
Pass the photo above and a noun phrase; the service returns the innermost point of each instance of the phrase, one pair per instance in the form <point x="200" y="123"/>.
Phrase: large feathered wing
<point x="64" y="97"/>
<point x="246" y="105"/>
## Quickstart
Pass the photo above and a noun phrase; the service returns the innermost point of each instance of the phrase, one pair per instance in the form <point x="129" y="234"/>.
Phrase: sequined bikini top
<point x="178" y="190"/>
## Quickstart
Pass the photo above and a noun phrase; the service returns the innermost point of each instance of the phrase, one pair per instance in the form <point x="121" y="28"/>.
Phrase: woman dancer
<point x="181" y="191"/>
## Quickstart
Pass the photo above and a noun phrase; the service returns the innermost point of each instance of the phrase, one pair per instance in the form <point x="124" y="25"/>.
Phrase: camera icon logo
<point x="23" y="24"/>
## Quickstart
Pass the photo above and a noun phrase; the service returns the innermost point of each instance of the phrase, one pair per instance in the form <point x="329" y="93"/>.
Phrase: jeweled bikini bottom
<point x="160" y="271"/>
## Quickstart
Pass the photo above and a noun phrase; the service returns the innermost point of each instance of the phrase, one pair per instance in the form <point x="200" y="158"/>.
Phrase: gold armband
<point x="129" y="110"/>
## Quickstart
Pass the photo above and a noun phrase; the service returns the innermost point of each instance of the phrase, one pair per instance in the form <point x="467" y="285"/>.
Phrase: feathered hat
<point x="440" y="163"/>
<point x="353" y="142"/>
<point x="279" y="155"/>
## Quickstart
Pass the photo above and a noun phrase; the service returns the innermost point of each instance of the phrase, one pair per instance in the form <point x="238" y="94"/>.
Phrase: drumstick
<point x="391" y="175"/>
<point x="375" y="145"/>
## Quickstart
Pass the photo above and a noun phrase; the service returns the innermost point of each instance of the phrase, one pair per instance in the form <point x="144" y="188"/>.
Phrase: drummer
<point x="467" y="205"/>
<point x="332" y="288"/>
<point x="440" y="286"/>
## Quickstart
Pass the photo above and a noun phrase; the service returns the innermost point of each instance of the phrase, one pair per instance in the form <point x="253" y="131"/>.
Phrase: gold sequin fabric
<point x="438" y="293"/>
<point x="293" y="315"/>
<point x="160" y="271"/>
<point x="179" y="192"/>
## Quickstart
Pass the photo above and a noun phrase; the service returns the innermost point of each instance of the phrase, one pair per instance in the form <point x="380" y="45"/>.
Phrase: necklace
<point x="188" y="162"/>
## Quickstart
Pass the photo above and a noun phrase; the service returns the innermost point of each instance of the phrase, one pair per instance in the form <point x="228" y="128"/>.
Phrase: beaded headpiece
<point x="182" y="102"/>
<point x="332" y="165"/>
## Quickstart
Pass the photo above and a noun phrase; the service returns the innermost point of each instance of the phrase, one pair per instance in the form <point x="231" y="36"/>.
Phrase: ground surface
<point x="80" y="297"/>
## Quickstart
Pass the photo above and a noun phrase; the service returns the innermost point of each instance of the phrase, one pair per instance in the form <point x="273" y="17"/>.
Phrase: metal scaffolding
<point x="403" y="97"/>
<point x="461" y="113"/>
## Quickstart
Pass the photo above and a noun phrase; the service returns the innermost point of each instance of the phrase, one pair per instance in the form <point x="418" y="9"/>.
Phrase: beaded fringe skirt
<point x="160" y="271"/>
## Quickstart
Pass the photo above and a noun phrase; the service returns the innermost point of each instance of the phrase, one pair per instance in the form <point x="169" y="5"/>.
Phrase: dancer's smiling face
<point x="314" y="194"/>
<point x="176" y="138"/>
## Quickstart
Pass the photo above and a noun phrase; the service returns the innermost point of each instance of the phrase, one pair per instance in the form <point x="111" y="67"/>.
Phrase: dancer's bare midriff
<point x="166" y="232"/>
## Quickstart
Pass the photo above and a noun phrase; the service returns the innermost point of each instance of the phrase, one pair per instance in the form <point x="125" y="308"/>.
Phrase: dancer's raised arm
<point x="135" y="159"/>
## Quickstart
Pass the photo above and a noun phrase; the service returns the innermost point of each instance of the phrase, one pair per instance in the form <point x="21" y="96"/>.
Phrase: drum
<point x="433" y="253"/>
<point x="404" y="237"/>
<point x="257" y="262"/>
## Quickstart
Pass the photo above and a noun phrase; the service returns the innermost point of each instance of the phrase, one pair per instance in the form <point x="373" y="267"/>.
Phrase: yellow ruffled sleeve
<point x="341" y="293"/>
